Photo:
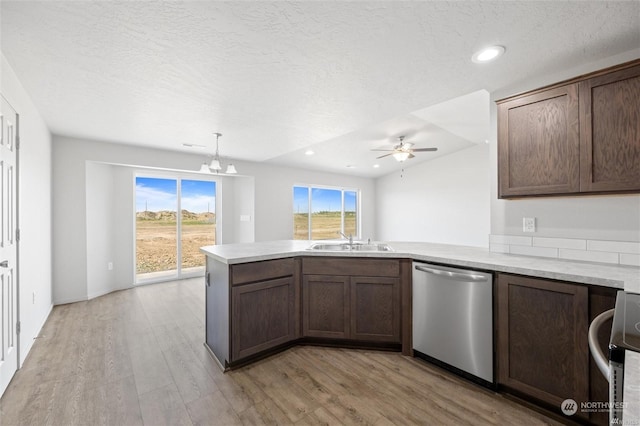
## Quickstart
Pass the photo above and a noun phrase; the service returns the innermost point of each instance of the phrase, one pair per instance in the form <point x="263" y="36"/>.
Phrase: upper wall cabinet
<point x="580" y="136"/>
<point x="610" y="132"/>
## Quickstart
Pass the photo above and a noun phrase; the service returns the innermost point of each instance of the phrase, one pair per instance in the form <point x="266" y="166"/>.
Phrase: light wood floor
<point x="137" y="357"/>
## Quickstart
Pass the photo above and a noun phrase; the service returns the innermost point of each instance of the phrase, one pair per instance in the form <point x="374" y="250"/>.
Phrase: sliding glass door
<point x="198" y="222"/>
<point x="167" y="242"/>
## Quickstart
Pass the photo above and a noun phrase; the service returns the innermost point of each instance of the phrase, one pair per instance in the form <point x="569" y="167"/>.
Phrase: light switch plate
<point x="528" y="224"/>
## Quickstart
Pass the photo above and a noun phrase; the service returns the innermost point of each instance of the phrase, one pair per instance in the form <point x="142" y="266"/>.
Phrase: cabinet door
<point x="325" y="306"/>
<point x="263" y="315"/>
<point x="543" y="350"/>
<point x="538" y="143"/>
<point x="610" y="132"/>
<point x="375" y="309"/>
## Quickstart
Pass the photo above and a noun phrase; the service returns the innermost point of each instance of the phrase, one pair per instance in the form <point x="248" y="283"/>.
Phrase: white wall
<point x="602" y="217"/>
<point x="80" y="187"/>
<point x="79" y="184"/>
<point x="100" y="209"/>
<point x="244" y="205"/>
<point x="35" y="210"/>
<point x="445" y="200"/>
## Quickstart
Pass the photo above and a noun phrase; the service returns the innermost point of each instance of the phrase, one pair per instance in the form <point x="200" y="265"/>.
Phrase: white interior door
<point x="8" y="244"/>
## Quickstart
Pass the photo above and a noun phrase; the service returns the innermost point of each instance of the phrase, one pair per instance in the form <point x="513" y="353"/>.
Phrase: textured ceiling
<point x="276" y="77"/>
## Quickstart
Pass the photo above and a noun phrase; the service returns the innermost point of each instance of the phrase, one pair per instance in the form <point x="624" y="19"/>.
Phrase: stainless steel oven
<point x="622" y="366"/>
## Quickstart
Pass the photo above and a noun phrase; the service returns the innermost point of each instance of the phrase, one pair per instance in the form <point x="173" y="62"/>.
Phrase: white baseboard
<point x="24" y="351"/>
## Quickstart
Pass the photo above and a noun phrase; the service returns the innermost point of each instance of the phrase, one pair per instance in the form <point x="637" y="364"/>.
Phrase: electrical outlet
<point x="110" y="266"/>
<point x="528" y="224"/>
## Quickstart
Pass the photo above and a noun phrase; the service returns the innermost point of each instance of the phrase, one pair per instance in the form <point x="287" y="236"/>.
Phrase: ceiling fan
<point x="403" y="150"/>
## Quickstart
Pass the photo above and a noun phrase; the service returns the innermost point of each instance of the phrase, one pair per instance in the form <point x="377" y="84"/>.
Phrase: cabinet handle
<point x="452" y="275"/>
<point x="207" y="279"/>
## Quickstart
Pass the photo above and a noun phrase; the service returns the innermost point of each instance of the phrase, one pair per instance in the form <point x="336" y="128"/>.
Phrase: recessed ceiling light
<point x="350" y="166"/>
<point x="488" y="54"/>
<point x="375" y="166"/>
<point x="309" y="152"/>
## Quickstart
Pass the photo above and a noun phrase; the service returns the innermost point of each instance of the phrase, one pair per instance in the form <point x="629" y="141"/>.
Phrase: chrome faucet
<point x="350" y="238"/>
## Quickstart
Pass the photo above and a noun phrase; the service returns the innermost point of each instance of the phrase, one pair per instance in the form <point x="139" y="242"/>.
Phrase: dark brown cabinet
<point x="349" y="304"/>
<point x="375" y="309"/>
<point x="325" y="306"/>
<point x="543" y="349"/>
<point x="581" y="136"/>
<point x="264" y="306"/>
<point x="538" y="143"/>
<point x="610" y="132"/>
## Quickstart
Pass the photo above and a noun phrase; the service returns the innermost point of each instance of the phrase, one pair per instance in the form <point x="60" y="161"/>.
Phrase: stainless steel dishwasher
<point x="453" y="319"/>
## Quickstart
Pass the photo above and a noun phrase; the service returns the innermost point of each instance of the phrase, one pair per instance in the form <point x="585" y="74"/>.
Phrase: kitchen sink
<point x="356" y="246"/>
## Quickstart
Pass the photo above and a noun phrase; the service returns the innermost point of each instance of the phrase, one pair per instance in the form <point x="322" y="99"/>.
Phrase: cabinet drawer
<point x="262" y="271"/>
<point x="367" y="267"/>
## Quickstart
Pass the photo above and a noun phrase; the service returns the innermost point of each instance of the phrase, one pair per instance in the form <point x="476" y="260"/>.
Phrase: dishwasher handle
<point x="458" y="276"/>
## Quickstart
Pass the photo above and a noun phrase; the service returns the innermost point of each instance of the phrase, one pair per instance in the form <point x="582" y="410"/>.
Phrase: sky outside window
<point x="156" y="194"/>
<point x="326" y="200"/>
<point x="300" y="199"/>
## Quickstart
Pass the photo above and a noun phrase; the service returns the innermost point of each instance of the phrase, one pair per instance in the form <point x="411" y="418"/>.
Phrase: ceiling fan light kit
<point x="401" y="155"/>
<point x="216" y="164"/>
<point x="403" y="151"/>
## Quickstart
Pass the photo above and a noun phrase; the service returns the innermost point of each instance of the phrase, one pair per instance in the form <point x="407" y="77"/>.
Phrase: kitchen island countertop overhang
<point x="620" y="277"/>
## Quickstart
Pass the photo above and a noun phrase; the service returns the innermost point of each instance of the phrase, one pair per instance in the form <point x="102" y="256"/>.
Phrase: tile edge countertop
<point x="620" y="277"/>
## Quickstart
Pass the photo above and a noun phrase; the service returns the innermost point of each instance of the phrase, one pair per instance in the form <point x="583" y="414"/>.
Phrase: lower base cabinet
<point x="264" y="316"/>
<point x="375" y="309"/>
<point x="325" y="306"/>
<point x="352" y="307"/>
<point x="264" y="306"/>
<point x="542" y="347"/>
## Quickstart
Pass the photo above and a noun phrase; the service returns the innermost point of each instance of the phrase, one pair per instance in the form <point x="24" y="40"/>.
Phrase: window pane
<point x="326" y="207"/>
<point x="300" y="213"/>
<point x="198" y="204"/>
<point x="156" y="210"/>
<point x="350" y="213"/>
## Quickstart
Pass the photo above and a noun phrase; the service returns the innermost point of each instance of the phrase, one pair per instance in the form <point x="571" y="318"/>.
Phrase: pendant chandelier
<point x="216" y="165"/>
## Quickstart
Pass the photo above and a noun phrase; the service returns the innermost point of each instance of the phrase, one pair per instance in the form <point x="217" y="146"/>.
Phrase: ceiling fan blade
<point x="385" y="155"/>
<point x="424" y="149"/>
<point x="386" y="150"/>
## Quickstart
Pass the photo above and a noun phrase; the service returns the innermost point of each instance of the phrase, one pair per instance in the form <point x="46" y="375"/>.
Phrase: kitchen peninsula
<point x="284" y="274"/>
<point x="264" y="297"/>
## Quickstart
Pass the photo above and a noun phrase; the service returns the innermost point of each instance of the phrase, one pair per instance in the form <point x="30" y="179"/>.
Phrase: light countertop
<point x="620" y="277"/>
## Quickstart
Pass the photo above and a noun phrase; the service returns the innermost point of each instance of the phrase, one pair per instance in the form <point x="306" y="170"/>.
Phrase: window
<point x="321" y="213"/>
<point x="168" y="243"/>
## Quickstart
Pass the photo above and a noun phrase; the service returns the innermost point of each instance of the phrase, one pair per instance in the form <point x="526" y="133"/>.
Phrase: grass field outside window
<point x="333" y="210"/>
